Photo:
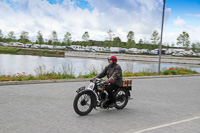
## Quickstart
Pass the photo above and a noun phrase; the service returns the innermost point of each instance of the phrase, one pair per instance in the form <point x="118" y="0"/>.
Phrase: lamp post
<point x="160" y="50"/>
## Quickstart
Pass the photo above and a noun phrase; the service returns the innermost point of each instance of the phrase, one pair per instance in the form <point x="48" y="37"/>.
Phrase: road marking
<point x="167" y="125"/>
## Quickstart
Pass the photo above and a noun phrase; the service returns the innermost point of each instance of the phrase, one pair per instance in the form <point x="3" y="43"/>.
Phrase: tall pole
<point x="160" y="50"/>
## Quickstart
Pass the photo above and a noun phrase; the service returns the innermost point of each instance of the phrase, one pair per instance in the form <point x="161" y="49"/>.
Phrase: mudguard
<point x="128" y="89"/>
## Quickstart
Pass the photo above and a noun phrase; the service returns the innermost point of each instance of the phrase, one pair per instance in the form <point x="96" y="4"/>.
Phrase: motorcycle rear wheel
<point x="121" y="96"/>
<point x="83" y="103"/>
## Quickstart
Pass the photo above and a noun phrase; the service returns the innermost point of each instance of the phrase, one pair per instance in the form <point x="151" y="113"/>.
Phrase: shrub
<point x="178" y="71"/>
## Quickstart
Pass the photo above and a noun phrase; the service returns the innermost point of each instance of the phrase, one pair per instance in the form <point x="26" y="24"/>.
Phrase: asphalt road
<point x="166" y="105"/>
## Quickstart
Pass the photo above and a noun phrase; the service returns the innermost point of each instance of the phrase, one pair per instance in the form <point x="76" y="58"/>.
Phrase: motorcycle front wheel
<point x="83" y="103"/>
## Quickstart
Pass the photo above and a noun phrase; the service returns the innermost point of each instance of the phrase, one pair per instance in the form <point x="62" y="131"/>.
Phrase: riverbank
<point x="22" y="51"/>
<point x="126" y="57"/>
<point x="51" y="75"/>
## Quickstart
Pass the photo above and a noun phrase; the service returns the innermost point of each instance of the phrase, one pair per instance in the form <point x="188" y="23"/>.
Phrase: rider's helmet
<point x="112" y="57"/>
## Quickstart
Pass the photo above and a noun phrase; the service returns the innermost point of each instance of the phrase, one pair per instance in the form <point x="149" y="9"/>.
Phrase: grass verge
<point x="68" y="74"/>
<point x="22" y="51"/>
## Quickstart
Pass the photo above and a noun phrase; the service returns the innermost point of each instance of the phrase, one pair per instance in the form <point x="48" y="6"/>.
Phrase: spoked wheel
<point x="83" y="103"/>
<point x="121" y="98"/>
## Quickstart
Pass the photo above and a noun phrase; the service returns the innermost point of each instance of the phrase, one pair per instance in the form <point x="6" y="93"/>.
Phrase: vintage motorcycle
<point x="95" y="95"/>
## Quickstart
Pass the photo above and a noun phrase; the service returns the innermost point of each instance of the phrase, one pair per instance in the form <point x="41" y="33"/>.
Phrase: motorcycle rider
<point x="114" y="75"/>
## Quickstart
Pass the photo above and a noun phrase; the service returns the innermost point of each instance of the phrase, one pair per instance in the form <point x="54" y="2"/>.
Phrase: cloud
<point x="120" y="16"/>
<point x="194" y="15"/>
<point x="179" y="26"/>
<point x="179" y="22"/>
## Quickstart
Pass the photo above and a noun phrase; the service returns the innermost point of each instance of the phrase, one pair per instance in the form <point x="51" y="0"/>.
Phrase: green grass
<point x="170" y="71"/>
<point x="13" y="50"/>
<point x="68" y="73"/>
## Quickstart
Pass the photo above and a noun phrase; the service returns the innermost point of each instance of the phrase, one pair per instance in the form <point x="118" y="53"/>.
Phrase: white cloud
<point x="121" y="16"/>
<point x="194" y="15"/>
<point x="179" y="26"/>
<point x="179" y="22"/>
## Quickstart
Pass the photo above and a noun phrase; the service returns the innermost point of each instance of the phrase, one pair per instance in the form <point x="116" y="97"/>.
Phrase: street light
<point x="160" y="50"/>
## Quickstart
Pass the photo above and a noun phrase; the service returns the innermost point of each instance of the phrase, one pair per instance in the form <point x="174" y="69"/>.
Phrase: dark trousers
<point x="110" y="89"/>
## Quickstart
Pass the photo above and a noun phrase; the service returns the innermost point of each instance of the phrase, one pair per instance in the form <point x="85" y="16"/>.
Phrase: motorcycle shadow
<point x="111" y="112"/>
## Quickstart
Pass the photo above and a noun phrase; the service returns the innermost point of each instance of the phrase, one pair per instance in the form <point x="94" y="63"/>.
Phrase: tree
<point x="130" y="43"/>
<point x="54" y="38"/>
<point x="196" y="47"/>
<point x="1" y="35"/>
<point x="117" y="42"/>
<point x="183" y="39"/>
<point x="130" y="36"/>
<point x="67" y="38"/>
<point x="193" y="47"/>
<point x="155" y="39"/>
<point x="110" y="35"/>
<point x="11" y="35"/>
<point x="40" y="39"/>
<point x="172" y="45"/>
<point x="140" y="41"/>
<point x="85" y="36"/>
<point x="130" y="40"/>
<point x="24" y="37"/>
<point x="49" y="42"/>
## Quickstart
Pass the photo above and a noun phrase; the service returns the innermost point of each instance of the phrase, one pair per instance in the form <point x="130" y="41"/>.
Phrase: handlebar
<point x="96" y="80"/>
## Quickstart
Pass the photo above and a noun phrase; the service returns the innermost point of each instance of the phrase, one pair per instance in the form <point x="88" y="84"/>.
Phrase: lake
<point x="12" y="64"/>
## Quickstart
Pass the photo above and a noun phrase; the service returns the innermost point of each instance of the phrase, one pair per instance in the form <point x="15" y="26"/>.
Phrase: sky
<point x="98" y="16"/>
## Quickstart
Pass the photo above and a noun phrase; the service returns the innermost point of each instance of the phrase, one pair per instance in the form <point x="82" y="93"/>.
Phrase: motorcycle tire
<point x="83" y="102"/>
<point x="124" y="96"/>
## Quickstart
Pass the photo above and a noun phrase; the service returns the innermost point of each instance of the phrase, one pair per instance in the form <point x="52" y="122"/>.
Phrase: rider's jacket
<point x="113" y="71"/>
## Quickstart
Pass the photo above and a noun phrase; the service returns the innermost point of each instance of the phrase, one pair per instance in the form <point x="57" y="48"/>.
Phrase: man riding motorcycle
<point x="114" y="75"/>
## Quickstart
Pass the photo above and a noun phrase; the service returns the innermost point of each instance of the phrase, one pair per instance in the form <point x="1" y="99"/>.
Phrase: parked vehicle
<point x="14" y="44"/>
<point x="69" y="48"/>
<point x="178" y="54"/>
<point x="98" y="48"/>
<point x="88" y="49"/>
<point x="95" y="95"/>
<point x="115" y="49"/>
<point x="1" y="43"/>
<point x="153" y="52"/>
<point x="122" y="51"/>
<point x="44" y="46"/>
<point x="162" y="52"/>
<point x="146" y="51"/>
<point x="75" y="47"/>
<point x="21" y="45"/>
<point x="36" y="46"/>
<point x="198" y="54"/>
<point x="187" y="53"/>
<point x="27" y="45"/>
<point x="6" y="44"/>
<point x="50" y="46"/>
<point x="59" y="47"/>
<point x="134" y="50"/>
<point x="168" y="52"/>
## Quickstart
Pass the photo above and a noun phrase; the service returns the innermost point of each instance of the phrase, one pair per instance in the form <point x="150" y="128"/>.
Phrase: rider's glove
<point x="106" y="82"/>
<point x="110" y="80"/>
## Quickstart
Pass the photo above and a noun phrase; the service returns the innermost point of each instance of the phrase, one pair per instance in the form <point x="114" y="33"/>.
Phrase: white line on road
<point x="166" y="125"/>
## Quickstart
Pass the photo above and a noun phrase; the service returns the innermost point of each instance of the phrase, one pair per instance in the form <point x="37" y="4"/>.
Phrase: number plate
<point x="91" y="86"/>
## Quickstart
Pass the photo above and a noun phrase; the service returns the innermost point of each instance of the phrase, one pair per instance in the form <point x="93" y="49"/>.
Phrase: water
<point x="12" y="64"/>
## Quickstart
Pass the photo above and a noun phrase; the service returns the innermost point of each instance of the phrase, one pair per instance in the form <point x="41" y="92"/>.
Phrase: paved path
<point x="166" y="105"/>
